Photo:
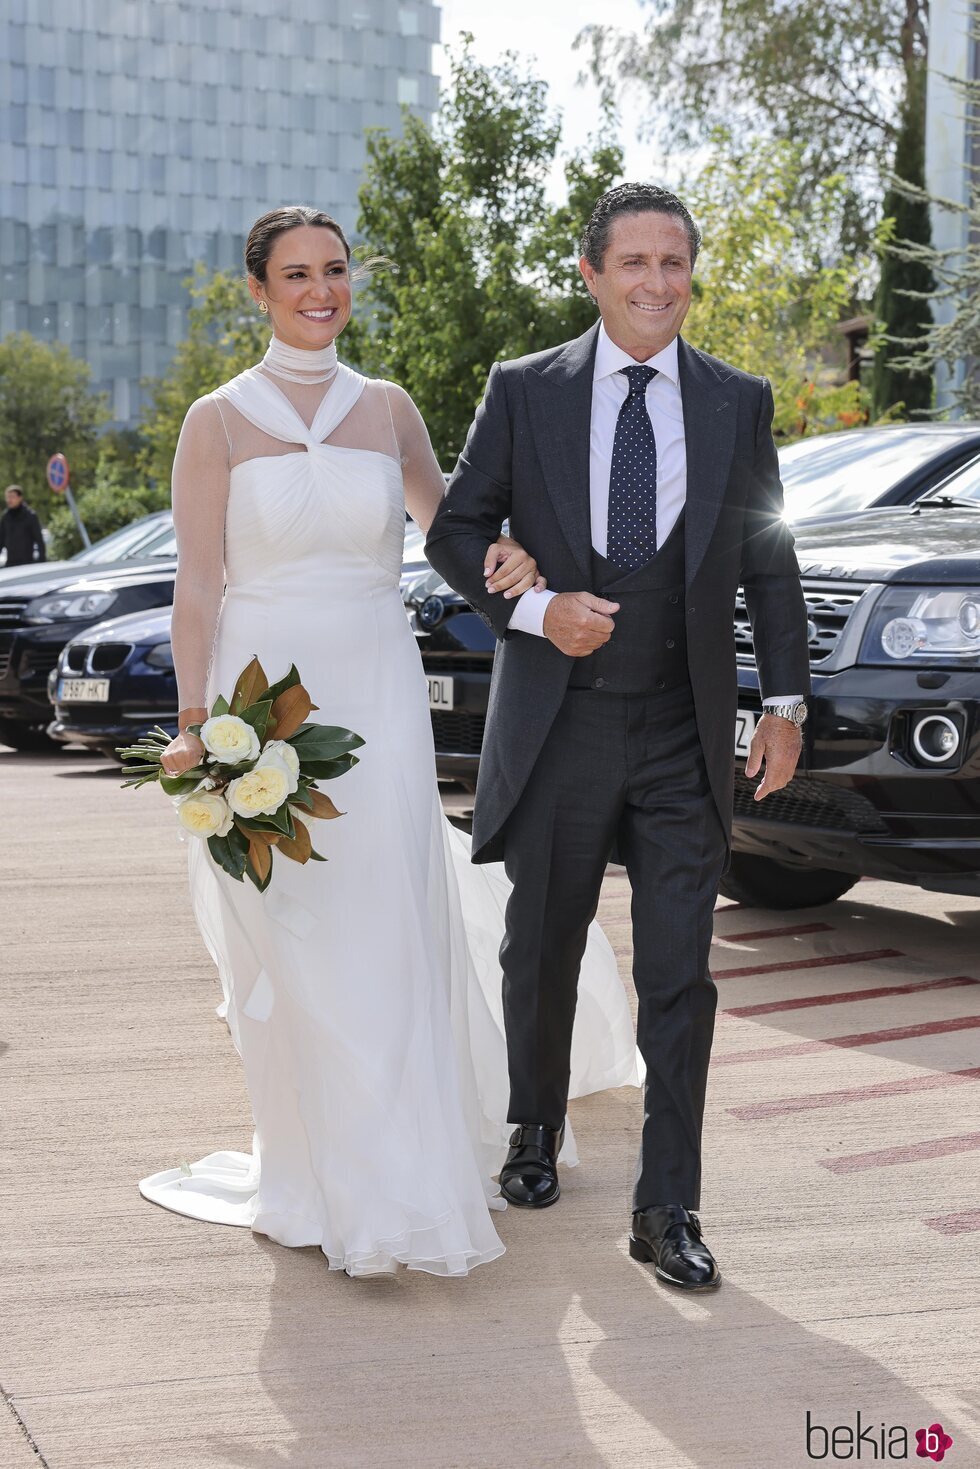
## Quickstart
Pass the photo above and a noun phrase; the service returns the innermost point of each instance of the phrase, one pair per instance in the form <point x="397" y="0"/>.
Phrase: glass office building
<point x="138" y="137"/>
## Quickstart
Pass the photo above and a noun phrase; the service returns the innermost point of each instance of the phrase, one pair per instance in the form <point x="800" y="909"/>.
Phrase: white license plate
<point x="440" y="693"/>
<point x="744" y="730"/>
<point x="83" y="691"/>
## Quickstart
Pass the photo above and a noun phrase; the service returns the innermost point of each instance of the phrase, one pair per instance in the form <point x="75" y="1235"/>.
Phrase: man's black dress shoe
<point x="669" y="1238"/>
<point x="529" y="1178"/>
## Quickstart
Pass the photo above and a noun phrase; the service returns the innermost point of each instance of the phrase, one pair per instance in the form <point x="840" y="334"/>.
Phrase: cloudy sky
<point x="545" y="31"/>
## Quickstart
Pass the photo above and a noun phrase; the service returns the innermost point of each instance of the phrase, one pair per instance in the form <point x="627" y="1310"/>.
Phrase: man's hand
<point x="777" y="741"/>
<point x="578" y="623"/>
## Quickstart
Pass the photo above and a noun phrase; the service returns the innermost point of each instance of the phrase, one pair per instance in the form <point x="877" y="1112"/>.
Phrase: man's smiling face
<point x="644" y="287"/>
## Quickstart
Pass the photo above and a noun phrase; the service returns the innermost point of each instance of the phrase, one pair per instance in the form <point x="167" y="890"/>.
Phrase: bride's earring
<point x="263" y="308"/>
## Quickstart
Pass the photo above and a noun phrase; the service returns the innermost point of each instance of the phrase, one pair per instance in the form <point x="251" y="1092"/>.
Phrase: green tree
<point x="225" y="334"/>
<point x="760" y="301"/>
<point x="827" y="76"/>
<point x="481" y="265"/>
<point x="47" y="406"/>
<point x="906" y="282"/>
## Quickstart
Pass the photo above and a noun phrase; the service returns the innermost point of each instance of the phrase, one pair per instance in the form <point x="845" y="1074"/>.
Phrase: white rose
<point x="204" y="814"/>
<point x="260" y="792"/>
<point x="281" y="754"/>
<point x="229" y="739"/>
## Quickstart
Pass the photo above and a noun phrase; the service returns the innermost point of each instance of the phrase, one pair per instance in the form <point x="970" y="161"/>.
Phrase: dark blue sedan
<point x="115" y="680"/>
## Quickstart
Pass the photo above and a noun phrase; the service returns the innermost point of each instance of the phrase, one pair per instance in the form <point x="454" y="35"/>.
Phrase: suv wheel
<point x="759" y="882"/>
<point x="29" y="738"/>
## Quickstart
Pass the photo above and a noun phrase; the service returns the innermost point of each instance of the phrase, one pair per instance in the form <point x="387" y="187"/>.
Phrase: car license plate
<point x="83" y="691"/>
<point x="440" y="693"/>
<point x="744" y="730"/>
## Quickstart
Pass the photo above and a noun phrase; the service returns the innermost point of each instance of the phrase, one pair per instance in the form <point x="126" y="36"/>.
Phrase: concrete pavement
<point x="841" y="1199"/>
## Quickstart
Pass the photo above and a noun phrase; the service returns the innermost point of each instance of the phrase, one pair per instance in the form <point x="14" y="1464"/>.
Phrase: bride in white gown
<point x="363" y="995"/>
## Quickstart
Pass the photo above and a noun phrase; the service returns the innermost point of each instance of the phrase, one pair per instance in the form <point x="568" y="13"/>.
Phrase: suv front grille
<point x="456" y="732"/>
<point x="4" y="661"/>
<point x="457" y="663"/>
<point x="806" y="802"/>
<point x="12" y="611"/>
<point x="828" y="606"/>
<point x="107" y="657"/>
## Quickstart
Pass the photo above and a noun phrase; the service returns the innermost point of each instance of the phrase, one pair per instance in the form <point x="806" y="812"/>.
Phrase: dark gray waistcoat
<point x="648" y="651"/>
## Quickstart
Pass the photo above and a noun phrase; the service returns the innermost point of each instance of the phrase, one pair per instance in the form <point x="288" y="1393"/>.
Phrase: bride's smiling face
<point x="307" y="287"/>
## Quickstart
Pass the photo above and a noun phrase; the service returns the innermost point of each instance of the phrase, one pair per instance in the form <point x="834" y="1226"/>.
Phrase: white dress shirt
<point x="665" y="407"/>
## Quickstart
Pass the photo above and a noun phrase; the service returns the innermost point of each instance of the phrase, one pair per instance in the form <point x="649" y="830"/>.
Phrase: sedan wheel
<point x="759" y="882"/>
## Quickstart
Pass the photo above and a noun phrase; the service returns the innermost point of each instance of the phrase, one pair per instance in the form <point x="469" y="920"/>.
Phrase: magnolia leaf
<point x="324" y="742"/>
<point x="289" y="711"/>
<point x="292" y="678"/>
<point x="220" y="706"/>
<point x="254" y="876"/>
<point x="329" y="769"/>
<point x="257" y="715"/>
<point x="181" y="785"/>
<point x="250" y="833"/>
<point x="323" y="807"/>
<point x="227" y="857"/>
<point x="299" y="846"/>
<point x="260" y="858"/>
<point x="316" y="857"/>
<point x="301" y="797"/>
<point x="251" y="683"/>
<point x="280" y="821"/>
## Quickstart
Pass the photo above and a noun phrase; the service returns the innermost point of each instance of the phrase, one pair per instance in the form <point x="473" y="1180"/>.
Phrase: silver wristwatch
<point x="795" y="713"/>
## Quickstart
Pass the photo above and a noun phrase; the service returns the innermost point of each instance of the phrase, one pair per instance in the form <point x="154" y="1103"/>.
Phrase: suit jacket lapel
<point x="560" y="397"/>
<point x="709" y="401"/>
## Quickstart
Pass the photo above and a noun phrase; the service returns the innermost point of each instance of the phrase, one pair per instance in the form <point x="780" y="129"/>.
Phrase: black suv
<point x="888" y="784"/>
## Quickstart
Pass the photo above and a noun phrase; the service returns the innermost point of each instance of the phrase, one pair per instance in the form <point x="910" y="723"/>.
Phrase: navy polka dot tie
<point x="632" y="528"/>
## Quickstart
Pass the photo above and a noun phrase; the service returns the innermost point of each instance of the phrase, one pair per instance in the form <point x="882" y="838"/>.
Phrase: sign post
<point x="57" y="473"/>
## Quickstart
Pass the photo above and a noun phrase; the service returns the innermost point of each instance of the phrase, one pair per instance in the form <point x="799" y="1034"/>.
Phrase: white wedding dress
<point x="363" y="994"/>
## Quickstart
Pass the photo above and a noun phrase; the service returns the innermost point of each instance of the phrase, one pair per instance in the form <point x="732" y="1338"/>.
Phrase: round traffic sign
<point x="57" y="473"/>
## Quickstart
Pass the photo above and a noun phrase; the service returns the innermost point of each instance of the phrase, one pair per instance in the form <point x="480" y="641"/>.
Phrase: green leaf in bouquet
<point x="257" y="715"/>
<point x="299" y="846"/>
<point x="290" y="681"/>
<point x="302" y="797"/>
<point x="182" y="785"/>
<point x="229" y="857"/>
<point x="329" y="769"/>
<point x="280" y="821"/>
<point x="251" y="686"/>
<point x="323" y="742"/>
<point x="220" y="706"/>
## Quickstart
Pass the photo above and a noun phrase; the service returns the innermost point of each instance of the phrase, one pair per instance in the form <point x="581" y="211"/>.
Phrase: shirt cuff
<point x="528" y="615"/>
<point x="782" y="699"/>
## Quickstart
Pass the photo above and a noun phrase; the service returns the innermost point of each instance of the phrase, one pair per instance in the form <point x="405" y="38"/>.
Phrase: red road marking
<point x="901" y="1087"/>
<point x="963" y="1223"/>
<point x="772" y="1007"/>
<point x="866" y="1038"/>
<point x="776" y="933"/>
<point x="824" y="962"/>
<point x="935" y="1147"/>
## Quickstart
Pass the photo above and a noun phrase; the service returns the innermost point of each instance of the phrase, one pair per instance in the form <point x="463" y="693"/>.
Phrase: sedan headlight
<point x="162" y="656"/>
<point x="934" y="625"/>
<point x="77" y="604"/>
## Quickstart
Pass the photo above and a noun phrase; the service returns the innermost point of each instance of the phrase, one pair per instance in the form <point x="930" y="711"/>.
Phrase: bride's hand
<point x="509" y="569"/>
<point x="182" y="754"/>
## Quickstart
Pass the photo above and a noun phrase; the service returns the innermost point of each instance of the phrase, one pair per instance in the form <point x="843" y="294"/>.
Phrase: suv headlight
<point x="924" y="625"/>
<point x="79" y="604"/>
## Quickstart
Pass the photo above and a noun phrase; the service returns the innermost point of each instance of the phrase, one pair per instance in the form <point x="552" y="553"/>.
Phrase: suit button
<point x="673" y="599"/>
<point x="670" y="642"/>
<point x="661" y="684"/>
<point x="598" y="683"/>
<point x="690" y="609"/>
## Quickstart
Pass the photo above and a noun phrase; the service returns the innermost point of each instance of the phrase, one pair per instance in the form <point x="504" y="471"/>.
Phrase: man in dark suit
<point x="643" y="477"/>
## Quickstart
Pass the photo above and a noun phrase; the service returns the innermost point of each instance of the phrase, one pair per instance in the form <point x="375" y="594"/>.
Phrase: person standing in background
<point x="20" y="530"/>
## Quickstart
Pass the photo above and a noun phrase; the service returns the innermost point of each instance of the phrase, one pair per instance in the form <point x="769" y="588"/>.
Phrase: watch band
<point x="795" y="713"/>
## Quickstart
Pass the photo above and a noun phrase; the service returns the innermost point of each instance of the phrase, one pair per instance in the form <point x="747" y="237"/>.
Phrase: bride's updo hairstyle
<point x="266" y="231"/>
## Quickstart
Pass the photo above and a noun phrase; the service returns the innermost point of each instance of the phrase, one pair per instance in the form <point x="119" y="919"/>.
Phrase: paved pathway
<point x="841" y="1197"/>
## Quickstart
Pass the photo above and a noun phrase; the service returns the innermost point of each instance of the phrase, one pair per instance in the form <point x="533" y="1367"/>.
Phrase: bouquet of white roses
<point x="257" y="784"/>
